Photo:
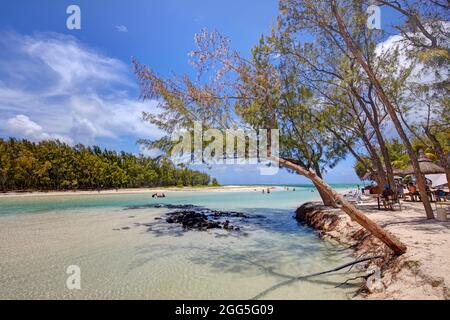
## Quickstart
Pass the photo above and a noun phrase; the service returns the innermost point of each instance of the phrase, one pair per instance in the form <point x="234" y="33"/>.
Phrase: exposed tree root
<point x="294" y="279"/>
<point x="352" y="279"/>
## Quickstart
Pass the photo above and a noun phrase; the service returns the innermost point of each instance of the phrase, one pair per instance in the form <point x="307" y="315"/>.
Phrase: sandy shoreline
<point x="136" y="191"/>
<point x="423" y="272"/>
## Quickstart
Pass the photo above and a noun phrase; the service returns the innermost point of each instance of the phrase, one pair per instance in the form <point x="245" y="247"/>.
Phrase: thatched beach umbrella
<point x="427" y="166"/>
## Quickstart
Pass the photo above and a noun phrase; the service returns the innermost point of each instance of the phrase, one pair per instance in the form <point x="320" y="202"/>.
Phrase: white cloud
<point x="52" y="85"/>
<point x="121" y="28"/>
<point x="419" y="74"/>
<point x="386" y="50"/>
<point x="23" y="127"/>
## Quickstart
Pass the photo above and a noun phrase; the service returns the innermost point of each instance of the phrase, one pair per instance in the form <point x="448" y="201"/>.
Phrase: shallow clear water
<point x="125" y="253"/>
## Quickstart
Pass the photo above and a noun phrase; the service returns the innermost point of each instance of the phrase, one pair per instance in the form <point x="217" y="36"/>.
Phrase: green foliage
<point x="360" y="169"/>
<point x="215" y="183"/>
<point x="52" y="165"/>
<point x="398" y="154"/>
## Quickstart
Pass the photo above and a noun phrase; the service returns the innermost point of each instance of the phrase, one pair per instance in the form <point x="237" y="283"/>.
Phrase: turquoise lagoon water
<point x="123" y="252"/>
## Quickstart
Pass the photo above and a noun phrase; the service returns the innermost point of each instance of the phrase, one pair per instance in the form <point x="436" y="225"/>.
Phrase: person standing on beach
<point x="400" y="190"/>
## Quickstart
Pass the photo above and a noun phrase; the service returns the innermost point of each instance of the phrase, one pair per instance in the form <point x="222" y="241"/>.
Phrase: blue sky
<point x="78" y="85"/>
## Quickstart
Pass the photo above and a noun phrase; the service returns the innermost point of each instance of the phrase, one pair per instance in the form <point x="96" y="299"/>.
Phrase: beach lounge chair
<point x="355" y="196"/>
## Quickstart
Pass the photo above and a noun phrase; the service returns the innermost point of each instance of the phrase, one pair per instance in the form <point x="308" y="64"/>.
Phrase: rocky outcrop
<point x="392" y="277"/>
<point x="335" y="226"/>
<point x="202" y="219"/>
<point x="193" y="220"/>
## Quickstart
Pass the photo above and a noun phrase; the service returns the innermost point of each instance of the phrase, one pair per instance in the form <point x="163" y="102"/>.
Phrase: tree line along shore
<point x="53" y="165"/>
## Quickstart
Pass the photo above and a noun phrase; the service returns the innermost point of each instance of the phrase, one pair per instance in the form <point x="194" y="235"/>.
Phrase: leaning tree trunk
<point x="389" y="108"/>
<point x="445" y="158"/>
<point x="355" y="214"/>
<point x="326" y="198"/>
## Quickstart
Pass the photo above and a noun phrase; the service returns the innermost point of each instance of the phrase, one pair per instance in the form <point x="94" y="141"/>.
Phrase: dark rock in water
<point x="192" y="217"/>
<point x="126" y="228"/>
<point x="226" y="225"/>
<point x="220" y="214"/>
<point x="191" y="220"/>
<point x="170" y="220"/>
<point x="201" y="219"/>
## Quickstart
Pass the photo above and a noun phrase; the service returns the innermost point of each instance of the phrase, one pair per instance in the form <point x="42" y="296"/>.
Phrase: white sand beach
<point x="138" y="191"/>
<point x="423" y="272"/>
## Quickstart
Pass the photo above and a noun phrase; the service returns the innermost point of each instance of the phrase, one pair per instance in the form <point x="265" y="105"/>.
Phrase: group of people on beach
<point x="404" y="190"/>
<point x="413" y="191"/>
<point x="264" y="191"/>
